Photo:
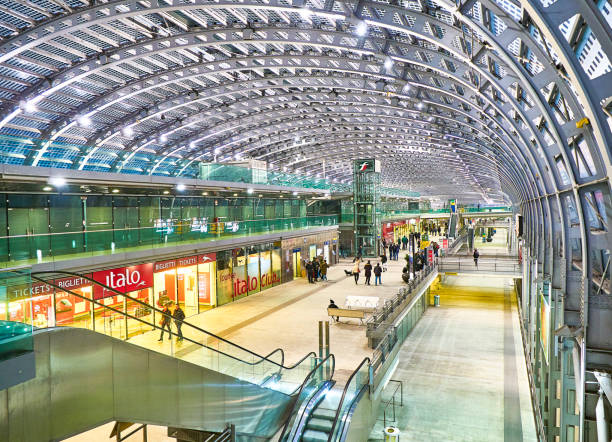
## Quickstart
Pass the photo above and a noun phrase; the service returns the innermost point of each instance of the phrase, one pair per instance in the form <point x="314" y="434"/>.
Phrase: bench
<point x="345" y="313"/>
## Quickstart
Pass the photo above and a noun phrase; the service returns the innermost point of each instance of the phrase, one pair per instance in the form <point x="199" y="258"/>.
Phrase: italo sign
<point x="242" y="286"/>
<point x="123" y="279"/>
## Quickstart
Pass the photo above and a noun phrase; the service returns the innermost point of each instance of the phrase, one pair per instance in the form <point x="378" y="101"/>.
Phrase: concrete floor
<point x="463" y="369"/>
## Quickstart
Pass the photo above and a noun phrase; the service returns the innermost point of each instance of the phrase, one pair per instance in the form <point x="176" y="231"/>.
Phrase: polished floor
<point x="463" y="370"/>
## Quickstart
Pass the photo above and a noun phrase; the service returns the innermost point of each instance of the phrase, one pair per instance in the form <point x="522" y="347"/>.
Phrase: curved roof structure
<point x="477" y="95"/>
<point x="483" y="100"/>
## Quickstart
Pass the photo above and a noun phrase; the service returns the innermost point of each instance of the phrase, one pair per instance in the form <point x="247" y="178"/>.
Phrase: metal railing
<point x="377" y="323"/>
<point x="452" y="264"/>
<point x="391" y="402"/>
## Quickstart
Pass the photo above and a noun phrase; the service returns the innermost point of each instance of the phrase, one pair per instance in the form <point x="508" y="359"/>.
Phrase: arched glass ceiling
<point x="477" y="95"/>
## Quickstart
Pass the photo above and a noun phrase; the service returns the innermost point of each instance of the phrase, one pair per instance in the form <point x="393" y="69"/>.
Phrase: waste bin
<point x="391" y="434"/>
<point x="436" y="300"/>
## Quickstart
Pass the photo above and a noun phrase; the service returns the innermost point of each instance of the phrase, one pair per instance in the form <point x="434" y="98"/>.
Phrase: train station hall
<point x="305" y="220"/>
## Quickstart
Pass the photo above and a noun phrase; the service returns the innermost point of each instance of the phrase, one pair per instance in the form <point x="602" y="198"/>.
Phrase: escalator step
<point x="324" y="413"/>
<point x="314" y="436"/>
<point x="319" y="424"/>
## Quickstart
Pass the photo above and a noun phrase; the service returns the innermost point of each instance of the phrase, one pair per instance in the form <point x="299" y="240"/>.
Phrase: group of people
<point x="367" y="271"/>
<point x="315" y="269"/>
<point x="172" y="312"/>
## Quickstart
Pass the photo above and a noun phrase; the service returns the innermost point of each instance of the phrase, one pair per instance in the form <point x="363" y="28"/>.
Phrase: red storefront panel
<point x="124" y="279"/>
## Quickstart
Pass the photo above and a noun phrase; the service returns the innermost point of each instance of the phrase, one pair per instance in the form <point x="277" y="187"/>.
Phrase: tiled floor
<point x="286" y="317"/>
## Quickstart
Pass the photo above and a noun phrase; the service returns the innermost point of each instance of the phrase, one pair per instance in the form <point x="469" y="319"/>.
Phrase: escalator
<point x="452" y="225"/>
<point x="86" y="376"/>
<point x="325" y="417"/>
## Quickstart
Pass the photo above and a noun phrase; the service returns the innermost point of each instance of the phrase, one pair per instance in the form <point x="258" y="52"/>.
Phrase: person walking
<point x="367" y="272"/>
<point x="178" y="315"/>
<point x="323" y="268"/>
<point x="165" y="322"/>
<point x="377" y="274"/>
<point x="316" y="269"/>
<point x="310" y="271"/>
<point x="476" y="256"/>
<point x="405" y="242"/>
<point x="356" y="271"/>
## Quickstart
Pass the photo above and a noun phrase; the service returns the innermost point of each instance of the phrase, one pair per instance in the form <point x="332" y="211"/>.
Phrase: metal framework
<point x="485" y="100"/>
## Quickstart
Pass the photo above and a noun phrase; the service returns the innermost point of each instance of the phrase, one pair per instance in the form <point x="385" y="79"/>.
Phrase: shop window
<point x="225" y="287"/>
<point x="253" y="271"/>
<point x="207" y="293"/>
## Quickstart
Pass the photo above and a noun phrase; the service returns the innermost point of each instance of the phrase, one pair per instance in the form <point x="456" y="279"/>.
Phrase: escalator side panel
<point x="84" y="379"/>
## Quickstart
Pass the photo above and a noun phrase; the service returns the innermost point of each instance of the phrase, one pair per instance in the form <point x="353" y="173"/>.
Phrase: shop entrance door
<point x="297" y="265"/>
<point x="187" y="297"/>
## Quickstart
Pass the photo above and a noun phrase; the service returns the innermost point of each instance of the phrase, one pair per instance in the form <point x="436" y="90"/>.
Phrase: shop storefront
<point x="196" y="283"/>
<point x="134" y="281"/>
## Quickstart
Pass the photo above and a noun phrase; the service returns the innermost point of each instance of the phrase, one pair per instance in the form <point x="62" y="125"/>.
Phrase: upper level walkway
<point x="148" y="241"/>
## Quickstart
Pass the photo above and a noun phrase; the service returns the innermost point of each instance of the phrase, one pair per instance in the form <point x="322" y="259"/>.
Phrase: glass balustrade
<point x="48" y="247"/>
<point x="124" y="317"/>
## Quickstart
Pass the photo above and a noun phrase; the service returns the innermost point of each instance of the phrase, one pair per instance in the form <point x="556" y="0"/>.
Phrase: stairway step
<point x="314" y="436"/>
<point x="319" y="424"/>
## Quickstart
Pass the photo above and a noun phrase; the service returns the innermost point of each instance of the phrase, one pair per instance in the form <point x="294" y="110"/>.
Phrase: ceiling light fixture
<point x="47" y="188"/>
<point x="362" y="29"/>
<point x="115" y="190"/>
<point x="180" y="187"/>
<point x="57" y="181"/>
<point x="84" y="121"/>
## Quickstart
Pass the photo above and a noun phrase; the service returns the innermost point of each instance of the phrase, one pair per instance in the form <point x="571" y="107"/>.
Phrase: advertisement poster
<point x="204" y="287"/>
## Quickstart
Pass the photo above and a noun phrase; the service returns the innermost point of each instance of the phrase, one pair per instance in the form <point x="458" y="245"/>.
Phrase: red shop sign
<point x="187" y="261"/>
<point x="207" y="257"/>
<point x="72" y="283"/>
<point x="162" y="266"/>
<point x="124" y="279"/>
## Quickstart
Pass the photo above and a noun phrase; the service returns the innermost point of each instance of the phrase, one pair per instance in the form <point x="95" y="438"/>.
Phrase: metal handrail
<point x="153" y="308"/>
<point x="392" y="400"/>
<point x="348" y="382"/>
<point x="330" y="357"/>
<point x="344" y="431"/>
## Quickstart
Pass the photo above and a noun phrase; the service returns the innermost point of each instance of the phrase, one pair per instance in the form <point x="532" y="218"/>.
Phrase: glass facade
<point x="37" y="228"/>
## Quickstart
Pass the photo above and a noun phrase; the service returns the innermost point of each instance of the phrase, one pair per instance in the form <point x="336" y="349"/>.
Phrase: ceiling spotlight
<point x="163" y="138"/>
<point x="57" y="181"/>
<point x="192" y="144"/>
<point x="204" y="193"/>
<point x="115" y="190"/>
<point x="420" y="105"/>
<point x="166" y="192"/>
<point x="29" y="106"/>
<point x="294" y="193"/>
<point x="249" y="190"/>
<point x="260" y="195"/>
<point x="47" y="188"/>
<point x="180" y="187"/>
<point x="127" y="131"/>
<point x="235" y="194"/>
<point x="84" y="121"/>
<point x="362" y="29"/>
<point x="388" y="63"/>
<point x="305" y="13"/>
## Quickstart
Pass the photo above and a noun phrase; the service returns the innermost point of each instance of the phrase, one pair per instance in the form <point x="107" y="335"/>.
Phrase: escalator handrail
<point x="153" y="308"/>
<point x="342" y="433"/>
<point x="330" y="357"/>
<point x="348" y="382"/>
